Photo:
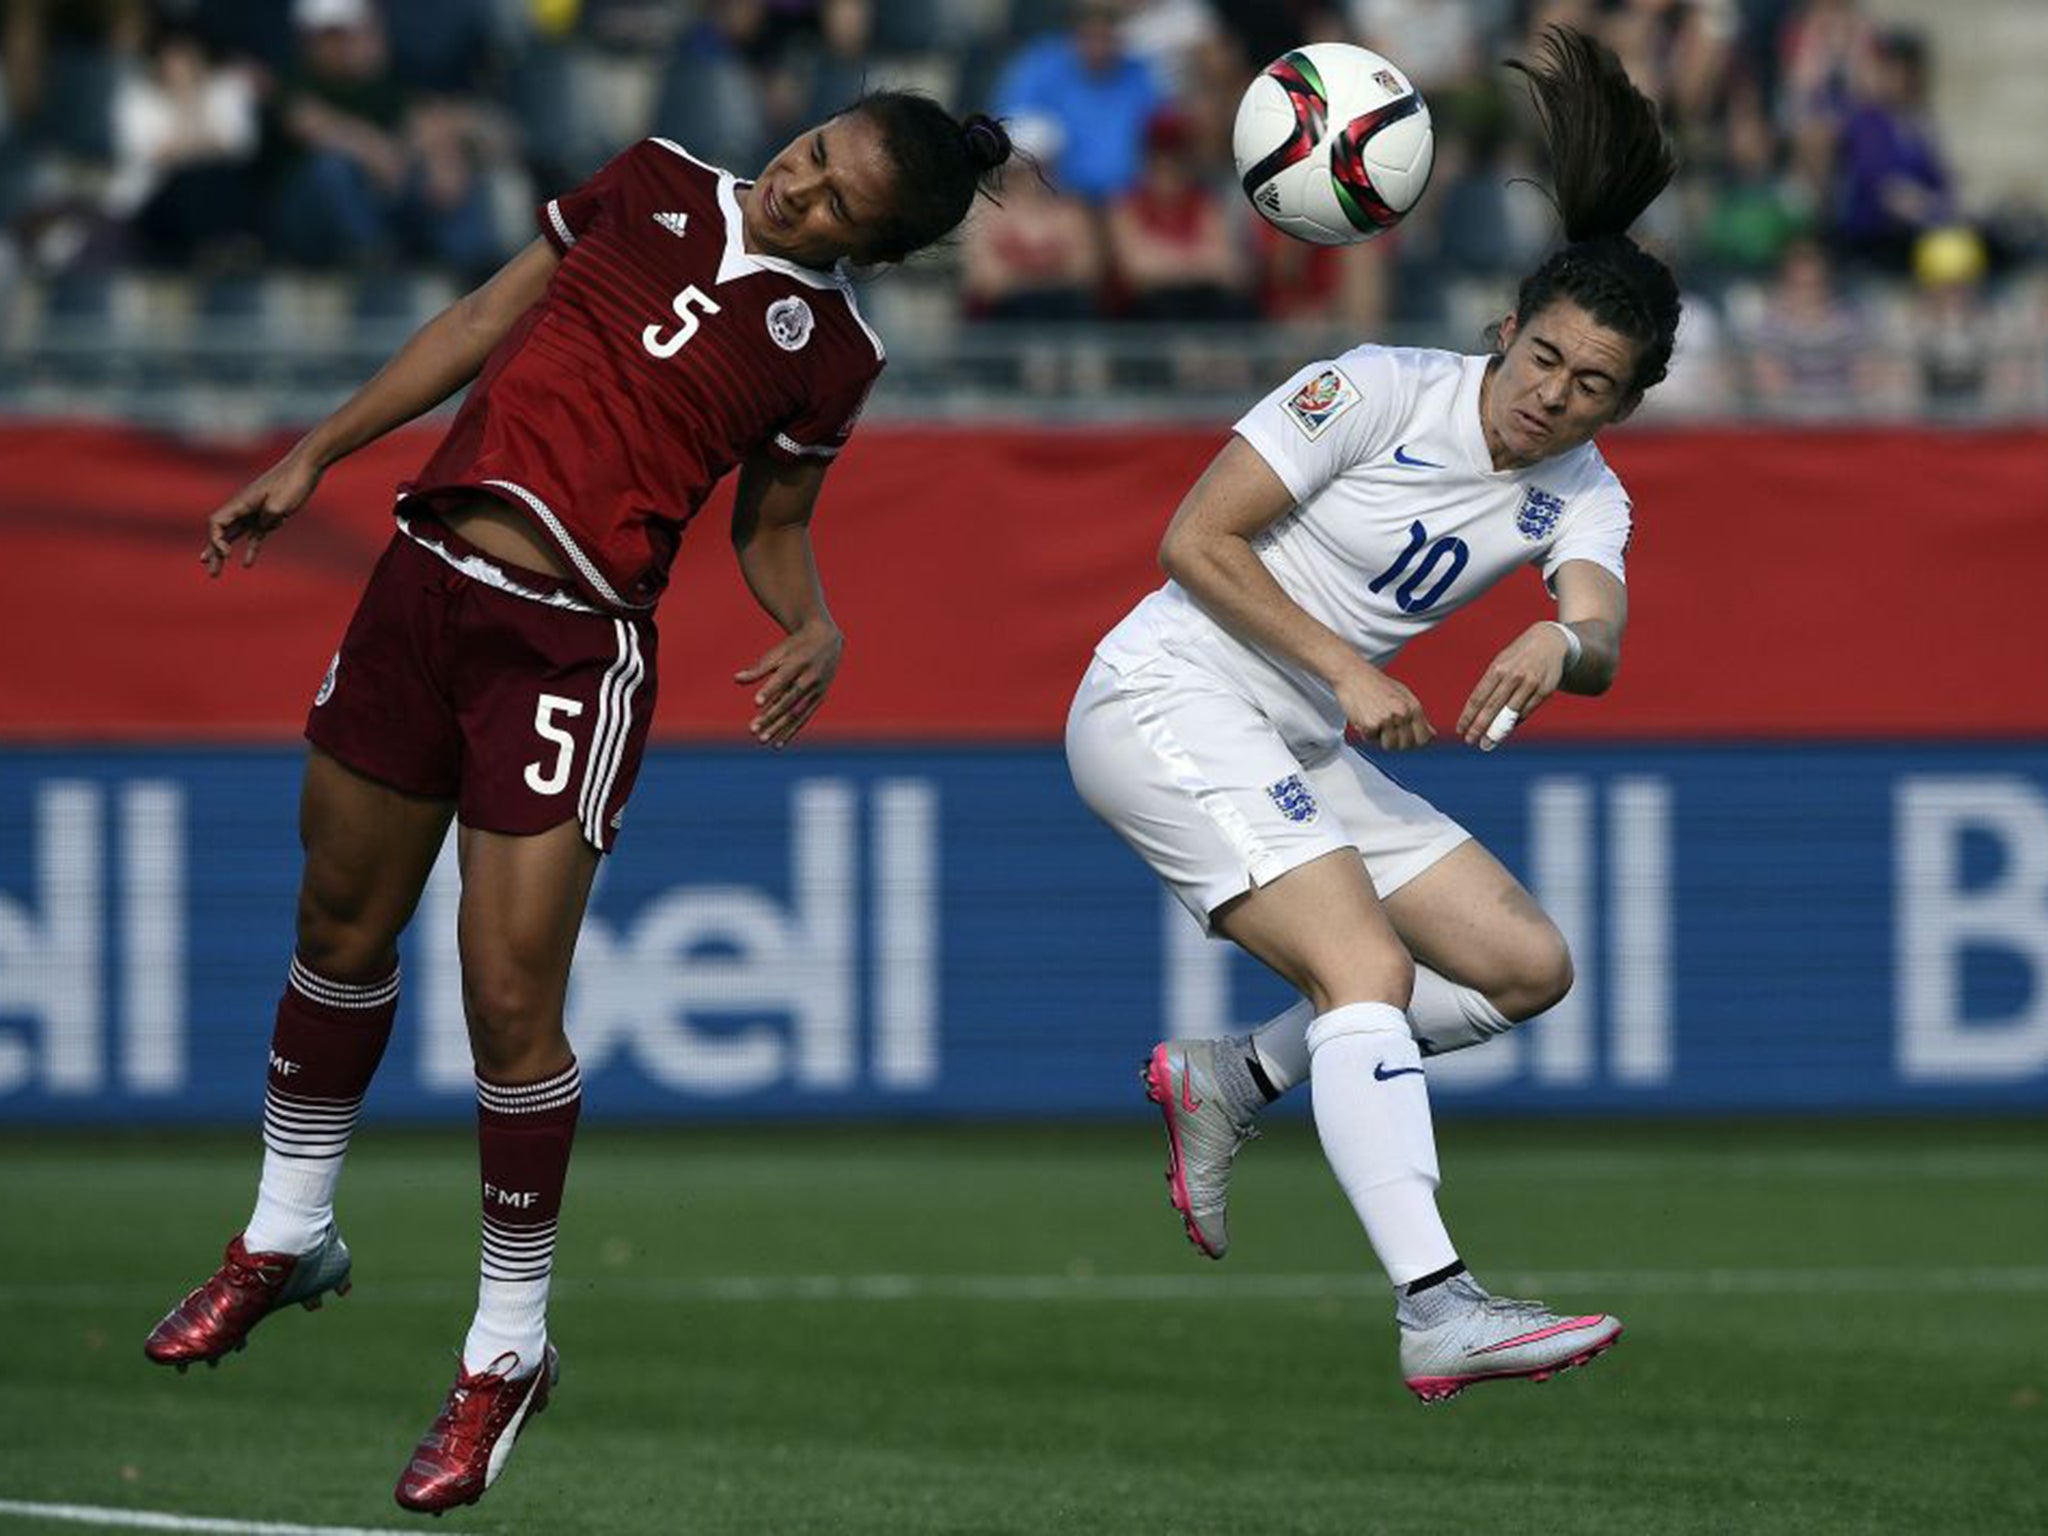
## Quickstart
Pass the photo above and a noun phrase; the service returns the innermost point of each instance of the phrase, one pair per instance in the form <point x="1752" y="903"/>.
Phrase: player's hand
<point x="1520" y="678"/>
<point x="792" y="678"/>
<point x="257" y="511"/>
<point x="1383" y="712"/>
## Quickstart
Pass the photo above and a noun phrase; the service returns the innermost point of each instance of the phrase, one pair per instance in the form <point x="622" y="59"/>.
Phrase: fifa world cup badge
<point x="789" y="323"/>
<point x="1321" y="401"/>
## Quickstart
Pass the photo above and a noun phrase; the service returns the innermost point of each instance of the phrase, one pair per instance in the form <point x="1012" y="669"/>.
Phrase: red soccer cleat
<point x="472" y="1438"/>
<point x="215" y="1319"/>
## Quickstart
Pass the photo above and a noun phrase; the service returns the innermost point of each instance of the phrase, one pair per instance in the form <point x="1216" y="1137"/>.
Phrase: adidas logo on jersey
<point x="674" y="223"/>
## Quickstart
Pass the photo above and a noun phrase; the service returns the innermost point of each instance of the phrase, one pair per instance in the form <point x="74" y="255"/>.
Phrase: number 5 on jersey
<point x="686" y="305"/>
<point x="555" y="779"/>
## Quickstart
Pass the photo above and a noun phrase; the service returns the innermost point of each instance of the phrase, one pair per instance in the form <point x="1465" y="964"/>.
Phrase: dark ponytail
<point x="1609" y="158"/>
<point x="940" y="163"/>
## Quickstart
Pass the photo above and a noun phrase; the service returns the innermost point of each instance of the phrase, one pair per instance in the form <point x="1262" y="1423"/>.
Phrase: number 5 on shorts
<point x="556" y="778"/>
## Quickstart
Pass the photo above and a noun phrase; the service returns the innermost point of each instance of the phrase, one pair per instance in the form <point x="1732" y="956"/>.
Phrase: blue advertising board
<point x="936" y="931"/>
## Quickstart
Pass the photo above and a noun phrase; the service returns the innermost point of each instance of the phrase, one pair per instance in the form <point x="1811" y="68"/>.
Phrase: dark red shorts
<point x="523" y="710"/>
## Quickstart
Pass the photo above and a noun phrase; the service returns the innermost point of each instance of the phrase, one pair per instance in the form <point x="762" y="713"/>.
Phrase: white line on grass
<point x="572" y="1289"/>
<point x="156" y="1520"/>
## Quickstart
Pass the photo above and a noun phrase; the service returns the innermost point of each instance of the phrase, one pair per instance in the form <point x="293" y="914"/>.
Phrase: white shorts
<point x="1202" y="786"/>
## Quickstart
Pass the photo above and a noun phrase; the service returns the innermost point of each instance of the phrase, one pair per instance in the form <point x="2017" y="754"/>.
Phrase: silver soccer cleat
<point x="1456" y="1333"/>
<point x="1205" y="1127"/>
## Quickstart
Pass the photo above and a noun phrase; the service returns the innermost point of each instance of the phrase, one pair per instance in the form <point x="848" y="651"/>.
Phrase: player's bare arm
<point x="1593" y="605"/>
<point x="1208" y="550"/>
<point x="771" y="535"/>
<point x="442" y="356"/>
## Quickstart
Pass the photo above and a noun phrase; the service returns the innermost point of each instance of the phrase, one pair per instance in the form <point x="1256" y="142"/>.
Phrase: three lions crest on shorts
<point x="789" y="323"/>
<point x="1321" y="401"/>
<point x="1297" y="802"/>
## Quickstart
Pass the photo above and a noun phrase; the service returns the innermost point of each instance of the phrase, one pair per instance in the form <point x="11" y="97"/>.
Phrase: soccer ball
<point x="1333" y="144"/>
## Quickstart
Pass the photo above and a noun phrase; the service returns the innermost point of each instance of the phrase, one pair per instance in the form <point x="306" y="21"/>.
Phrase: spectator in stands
<point x="1955" y="335"/>
<point x="712" y="100"/>
<point x="367" y="176"/>
<point x="839" y="68"/>
<point x="1265" y="29"/>
<point x="1809" y="344"/>
<point x="1824" y="48"/>
<point x="1754" y="208"/>
<point x="1170" y="240"/>
<point x="1435" y="41"/>
<point x="1180" y="41"/>
<point x="1100" y="96"/>
<point x="185" y="141"/>
<point x="1893" y="182"/>
<point x="1340" y="289"/>
<point x="1036" y="255"/>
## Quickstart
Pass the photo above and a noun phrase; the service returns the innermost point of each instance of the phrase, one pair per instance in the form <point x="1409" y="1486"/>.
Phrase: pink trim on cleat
<point x="1591" y="1320"/>
<point x="1438" y="1389"/>
<point x="1158" y="1078"/>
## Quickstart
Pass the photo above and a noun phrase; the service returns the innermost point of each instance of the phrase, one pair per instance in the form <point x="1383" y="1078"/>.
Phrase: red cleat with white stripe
<point x="215" y="1319"/>
<point x="471" y="1440"/>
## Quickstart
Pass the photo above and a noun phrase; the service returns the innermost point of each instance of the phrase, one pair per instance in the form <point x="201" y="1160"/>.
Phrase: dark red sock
<point x="524" y="1134"/>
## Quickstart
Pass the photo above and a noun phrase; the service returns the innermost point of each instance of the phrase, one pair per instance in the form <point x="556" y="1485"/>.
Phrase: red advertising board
<point x="1783" y="584"/>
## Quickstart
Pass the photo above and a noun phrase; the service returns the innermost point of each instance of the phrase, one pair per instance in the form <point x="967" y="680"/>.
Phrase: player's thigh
<point x="369" y="849"/>
<point x="1468" y="918"/>
<point x="523" y="900"/>
<point x="554" y="708"/>
<point x="1195" y="780"/>
<point x="1321" y="928"/>
<point x="1398" y="833"/>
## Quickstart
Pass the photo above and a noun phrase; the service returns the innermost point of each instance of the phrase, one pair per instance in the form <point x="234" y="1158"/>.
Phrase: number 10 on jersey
<point x="1410" y="595"/>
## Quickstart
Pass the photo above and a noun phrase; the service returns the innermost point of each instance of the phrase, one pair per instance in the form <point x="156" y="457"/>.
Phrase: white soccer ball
<point x="1333" y="144"/>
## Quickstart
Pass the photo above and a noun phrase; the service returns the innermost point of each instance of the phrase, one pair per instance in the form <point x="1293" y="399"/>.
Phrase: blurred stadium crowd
<point x="298" y="169"/>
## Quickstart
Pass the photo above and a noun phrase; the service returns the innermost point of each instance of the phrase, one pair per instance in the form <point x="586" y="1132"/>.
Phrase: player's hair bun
<point x="987" y="141"/>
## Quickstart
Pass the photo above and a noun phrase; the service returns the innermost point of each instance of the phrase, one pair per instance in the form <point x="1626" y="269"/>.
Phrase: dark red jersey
<point x="662" y="354"/>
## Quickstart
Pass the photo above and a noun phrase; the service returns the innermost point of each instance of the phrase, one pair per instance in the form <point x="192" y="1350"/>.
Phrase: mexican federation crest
<point x="1538" y="518"/>
<point x="327" y="683"/>
<point x="1297" y="802"/>
<point x="789" y="323"/>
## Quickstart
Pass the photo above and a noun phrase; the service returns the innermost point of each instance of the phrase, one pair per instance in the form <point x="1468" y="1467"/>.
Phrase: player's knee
<point x="512" y="1016"/>
<point x="1542" y="976"/>
<point x="1378" y="973"/>
<point x="335" y="942"/>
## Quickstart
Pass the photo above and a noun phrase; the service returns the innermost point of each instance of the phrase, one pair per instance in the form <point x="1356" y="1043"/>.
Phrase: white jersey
<point x="1400" y="519"/>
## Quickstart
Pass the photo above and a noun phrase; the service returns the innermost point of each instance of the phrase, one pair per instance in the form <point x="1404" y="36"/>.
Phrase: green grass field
<point x="1832" y="1327"/>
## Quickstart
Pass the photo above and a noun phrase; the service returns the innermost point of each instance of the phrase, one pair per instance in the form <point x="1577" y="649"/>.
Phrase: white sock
<point x="1281" y="1046"/>
<point x="1444" y="1016"/>
<point x="294" y="1202"/>
<point x="511" y="1318"/>
<point x="1372" y="1113"/>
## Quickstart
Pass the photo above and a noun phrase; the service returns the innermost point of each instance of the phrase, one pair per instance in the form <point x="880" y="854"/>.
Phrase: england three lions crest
<point x="1538" y="518"/>
<point x="1297" y="802"/>
<point x="789" y="323"/>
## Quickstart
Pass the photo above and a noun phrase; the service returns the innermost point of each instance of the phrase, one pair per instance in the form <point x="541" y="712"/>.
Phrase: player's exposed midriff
<point x="498" y="530"/>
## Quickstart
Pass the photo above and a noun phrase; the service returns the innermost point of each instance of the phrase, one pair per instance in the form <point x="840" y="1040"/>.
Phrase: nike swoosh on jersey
<point x="1401" y="457"/>
<point x="1383" y="1074"/>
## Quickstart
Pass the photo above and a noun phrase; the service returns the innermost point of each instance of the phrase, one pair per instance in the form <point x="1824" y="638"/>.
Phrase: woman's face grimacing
<point x="1560" y="379"/>
<point x="821" y="195"/>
